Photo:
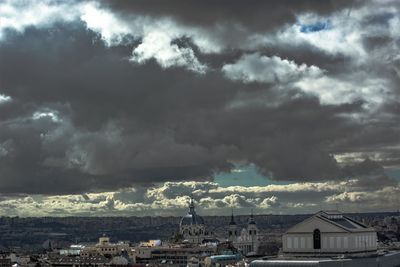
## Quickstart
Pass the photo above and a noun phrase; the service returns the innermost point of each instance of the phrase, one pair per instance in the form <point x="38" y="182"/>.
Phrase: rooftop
<point x="337" y="218"/>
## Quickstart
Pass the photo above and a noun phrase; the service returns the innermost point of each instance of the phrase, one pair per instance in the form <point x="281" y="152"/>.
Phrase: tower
<point x="233" y="231"/>
<point x="252" y="231"/>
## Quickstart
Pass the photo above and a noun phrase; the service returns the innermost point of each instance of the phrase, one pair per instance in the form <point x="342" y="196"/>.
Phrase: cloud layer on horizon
<point x="172" y="198"/>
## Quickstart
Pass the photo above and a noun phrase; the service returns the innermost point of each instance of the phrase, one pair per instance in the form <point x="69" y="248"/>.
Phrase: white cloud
<point x="111" y="29"/>
<point x="310" y="79"/>
<point x="19" y="14"/>
<point x="46" y="114"/>
<point x="269" y="202"/>
<point x="158" y="45"/>
<point x="386" y="199"/>
<point x="374" y="91"/>
<point x="342" y="35"/>
<point x="157" y="35"/>
<point x="258" y="68"/>
<point x="172" y="198"/>
<point x="4" y="98"/>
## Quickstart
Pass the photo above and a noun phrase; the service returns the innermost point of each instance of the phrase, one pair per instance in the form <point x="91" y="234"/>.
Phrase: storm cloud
<point x="117" y="94"/>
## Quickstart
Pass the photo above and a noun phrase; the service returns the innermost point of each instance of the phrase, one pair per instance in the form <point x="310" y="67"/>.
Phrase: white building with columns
<point x="329" y="233"/>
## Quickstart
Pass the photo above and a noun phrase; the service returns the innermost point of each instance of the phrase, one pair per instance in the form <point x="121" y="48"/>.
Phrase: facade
<point x="247" y="239"/>
<point x="62" y="261"/>
<point x="5" y="260"/>
<point x="329" y="233"/>
<point x="192" y="226"/>
<point x="105" y="248"/>
<point x="331" y="239"/>
<point x="178" y="255"/>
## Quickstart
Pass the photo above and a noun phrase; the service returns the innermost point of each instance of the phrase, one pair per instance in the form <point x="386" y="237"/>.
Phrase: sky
<point x="128" y="108"/>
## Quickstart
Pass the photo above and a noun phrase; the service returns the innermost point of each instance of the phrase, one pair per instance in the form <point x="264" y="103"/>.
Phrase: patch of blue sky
<point x="315" y="27"/>
<point x="243" y="175"/>
<point x="393" y="173"/>
<point x="247" y="175"/>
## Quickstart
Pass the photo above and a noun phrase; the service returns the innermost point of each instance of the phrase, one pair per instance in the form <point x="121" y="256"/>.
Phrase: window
<point x="331" y="242"/>
<point x="325" y="242"/>
<point x="317" y="239"/>
<point x="338" y="242"/>
<point x="289" y="242"/>
<point x="296" y="242"/>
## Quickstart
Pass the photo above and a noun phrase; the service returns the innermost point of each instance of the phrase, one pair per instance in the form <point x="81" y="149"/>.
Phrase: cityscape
<point x="200" y="133"/>
<point x="236" y="240"/>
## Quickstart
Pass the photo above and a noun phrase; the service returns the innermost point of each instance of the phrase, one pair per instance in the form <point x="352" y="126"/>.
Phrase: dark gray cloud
<point x="84" y="117"/>
<point x="256" y="15"/>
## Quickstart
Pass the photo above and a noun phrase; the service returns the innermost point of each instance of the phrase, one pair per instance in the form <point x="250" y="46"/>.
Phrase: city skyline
<point x="120" y="108"/>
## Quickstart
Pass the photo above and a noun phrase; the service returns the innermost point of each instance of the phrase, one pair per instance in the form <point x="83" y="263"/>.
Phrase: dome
<point x="191" y="218"/>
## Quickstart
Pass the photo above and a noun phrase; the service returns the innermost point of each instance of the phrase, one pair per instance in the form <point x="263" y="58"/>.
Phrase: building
<point x="329" y="233"/>
<point x="247" y="239"/>
<point x="225" y="255"/>
<point x="222" y="260"/>
<point x="331" y="239"/>
<point x="150" y="243"/>
<point x="192" y="227"/>
<point x="73" y="250"/>
<point x="103" y="253"/>
<point x="62" y="261"/>
<point x="176" y="255"/>
<point x="5" y="260"/>
<point x="105" y="248"/>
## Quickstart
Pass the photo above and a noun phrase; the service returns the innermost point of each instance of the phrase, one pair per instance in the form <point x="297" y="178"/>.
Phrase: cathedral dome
<point x="191" y="218"/>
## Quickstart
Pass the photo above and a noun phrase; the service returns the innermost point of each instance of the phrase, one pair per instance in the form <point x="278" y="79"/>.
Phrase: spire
<point x="191" y="206"/>
<point x="232" y="222"/>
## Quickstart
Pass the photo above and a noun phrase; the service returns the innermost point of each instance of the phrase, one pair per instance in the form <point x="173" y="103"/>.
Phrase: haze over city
<point x="124" y="108"/>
